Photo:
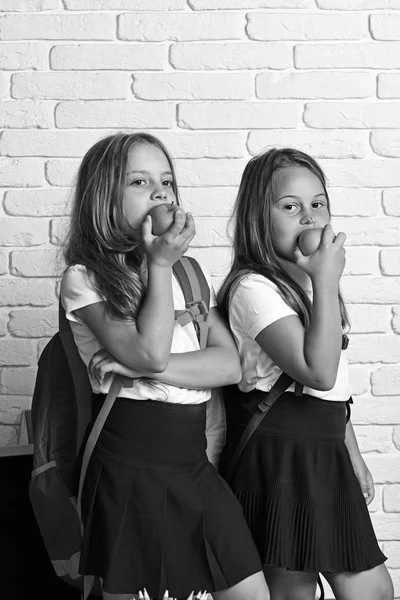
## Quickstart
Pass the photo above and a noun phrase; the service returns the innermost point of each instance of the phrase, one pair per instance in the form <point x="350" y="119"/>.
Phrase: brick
<point x="8" y="436"/>
<point x="360" y="380"/>
<point x="58" y="230"/>
<point x="48" y="143"/>
<point x="57" y="27"/>
<point x="386" y="525"/>
<point x="235" y="115"/>
<point x="372" y="438"/>
<point x="243" y="4"/>
<point x="347" y="202"/>
<point x="376" y="504"/>
<point x="362" y="173"/>
<point x="84" y="86"/>
<point x="385" y="381"/>
<point x="373" y="349"/>
<point x="209" y="172"/>
<point x="33" y="323"/>
<point x="385" y="26"/>
<point x="118" y="113"/>
<point x="37" y="203"/>
<point x="36" y="263"/>
<point x="388" y="85"/>
<point x="135" y="5"/>
<point x="386" y="142"/>
<point x="319" y="144"/>
<point x="17" y="381"/>
<point x="211" y="232"/>
<point x="121" y="57"/>
<point x="5" y="86"/>
<point x="62" y="172"/>
<point x="361" y="261"/>
<point x="391" y="498"/>
<point x="375" y="410"/>
<point x="20" y="231"/>
<point x="370" y="290"/>
<point x="209" y="201"/>
<point x="384" y="469"/>
<point x="3" y="323"/>
<point x="16" y="172"/>
<point x="4" y="262"/>
<point x="392" y="551"/>
<point x="350" y="115"/>
<point x="332" y="85"/>
<point x="216" y="260"/>
<point x="369" y="318"/>
<point x="204" y="145"/>
<point x="357" y="4"/>
<point x="351" y="55"/>
<point x="17" y="291"/>
<point x="183" y="26"/>
<point x="306" y="27"/>
<point x="193" y="86"/>
<point x="11" y="407"/>
<point x="28" y="5"/>
<point x="390" y="261"/>
<point x="41" y="346"/>
<point x="396" y="320"/>
<point x="15" y="57"/>
<point x="230" y="56"/>
<point x="391" y="202"/>
<point x="369" y="232"/>
<point x="396" y="437"/>
<point x="15" y="353"/>
<point x="24" y="115"/>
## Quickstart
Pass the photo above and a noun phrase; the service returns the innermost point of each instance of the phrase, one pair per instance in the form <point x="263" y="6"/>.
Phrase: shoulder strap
<point x="196" y="292"/>
<point x="264" y="406"/>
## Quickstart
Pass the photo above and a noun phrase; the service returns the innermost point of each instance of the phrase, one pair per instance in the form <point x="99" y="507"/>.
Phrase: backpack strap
<point x="280" y="386"/>
<point x="196" y="292"/>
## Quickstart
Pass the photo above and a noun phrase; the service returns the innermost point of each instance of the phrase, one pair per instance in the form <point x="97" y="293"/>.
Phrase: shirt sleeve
<point x="78" y="290"/>
<point x="257" y="303"/>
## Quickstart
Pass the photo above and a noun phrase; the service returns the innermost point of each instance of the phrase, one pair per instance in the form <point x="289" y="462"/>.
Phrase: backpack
<point x="61" y="412"/>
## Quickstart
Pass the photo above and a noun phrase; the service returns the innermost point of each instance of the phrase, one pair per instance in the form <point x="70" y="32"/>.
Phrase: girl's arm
<point x="146" y="343"/>
<point x="360" y="468"/>
<point x="214" y="366"/>
<point x="312" y="356"/>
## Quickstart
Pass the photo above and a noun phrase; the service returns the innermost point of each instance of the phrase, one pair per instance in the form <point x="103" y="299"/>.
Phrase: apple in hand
<point x="162" y="217"/>
<point x="309" y="240"/>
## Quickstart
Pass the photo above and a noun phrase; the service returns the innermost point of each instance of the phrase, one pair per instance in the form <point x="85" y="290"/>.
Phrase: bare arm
<point x="146" y="343"/>
<point x="216" y="365"/>
<point x="360" y="468"/>
<point x="312" y="356"/>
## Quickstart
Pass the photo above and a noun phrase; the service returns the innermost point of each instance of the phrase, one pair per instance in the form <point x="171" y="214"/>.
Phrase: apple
<point x="162" y="217"/>
<point x="309" y="240"/>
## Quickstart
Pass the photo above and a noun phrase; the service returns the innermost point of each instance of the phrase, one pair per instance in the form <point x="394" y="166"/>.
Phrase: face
<point x="148" y="183"/>
<point x="300" y="202"/>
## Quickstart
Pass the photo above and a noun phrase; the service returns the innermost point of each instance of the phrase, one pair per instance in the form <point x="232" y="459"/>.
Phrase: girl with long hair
<point x="301" y="480"/>
<point x="156" y="513"/>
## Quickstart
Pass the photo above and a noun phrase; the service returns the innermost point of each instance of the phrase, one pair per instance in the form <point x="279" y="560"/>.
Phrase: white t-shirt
<point x="255" y="304"/>
<point x="77" y="291"/>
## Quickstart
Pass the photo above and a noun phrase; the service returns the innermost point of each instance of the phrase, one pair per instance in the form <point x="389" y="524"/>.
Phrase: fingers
<point x="340" y="239"/>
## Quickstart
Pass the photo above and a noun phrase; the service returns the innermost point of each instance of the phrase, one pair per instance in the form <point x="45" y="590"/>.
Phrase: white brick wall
<point x="217" y="81"/>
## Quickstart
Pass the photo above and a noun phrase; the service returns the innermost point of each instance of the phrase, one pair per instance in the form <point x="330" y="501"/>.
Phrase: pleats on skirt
<point x="299" y="493"/>
<point x="157" y="514"/>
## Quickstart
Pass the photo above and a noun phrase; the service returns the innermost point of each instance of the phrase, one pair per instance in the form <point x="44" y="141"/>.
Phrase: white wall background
<point x="217" y="81"/>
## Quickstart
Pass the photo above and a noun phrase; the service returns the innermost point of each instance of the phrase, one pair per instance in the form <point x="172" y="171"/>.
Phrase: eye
<point x="319" y="204"/>
<point x="167" y="183"/>
<point x="290" y="207"/>
<point x="138" y="182"/>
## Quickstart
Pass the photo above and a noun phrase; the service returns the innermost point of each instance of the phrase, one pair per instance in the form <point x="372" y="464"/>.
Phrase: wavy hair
<point x="97" y="237"/>
<point x="253" y="250"/>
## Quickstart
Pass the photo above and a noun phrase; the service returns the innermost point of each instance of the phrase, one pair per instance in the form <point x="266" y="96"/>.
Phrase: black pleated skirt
<point x="298" y="490"/>
<point x="157" y="514"/>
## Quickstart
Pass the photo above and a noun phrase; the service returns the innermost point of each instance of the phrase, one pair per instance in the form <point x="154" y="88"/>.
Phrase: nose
<point x="308" y="218"/>
<point x="159" y="193"/>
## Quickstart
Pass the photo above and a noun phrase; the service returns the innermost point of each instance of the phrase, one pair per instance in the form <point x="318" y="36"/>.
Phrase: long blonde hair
<point x="97" y="238"/>
<point x="253" y="250"/>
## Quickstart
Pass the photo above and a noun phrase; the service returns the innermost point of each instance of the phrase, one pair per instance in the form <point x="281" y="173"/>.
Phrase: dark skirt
<point x="298" y="490"/>
<point x="157" y="514"/>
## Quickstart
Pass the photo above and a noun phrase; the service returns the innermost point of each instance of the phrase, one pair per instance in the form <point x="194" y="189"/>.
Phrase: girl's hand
<point x="364" y="479"/>
<point x="102" y="362"/>
<point x="166" y="249"/>
<point x="326" y="264"/>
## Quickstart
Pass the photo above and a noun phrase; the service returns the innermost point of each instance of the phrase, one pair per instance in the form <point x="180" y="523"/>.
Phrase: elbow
<point x="323" y="384"/>
<point x="233" y="373"/>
